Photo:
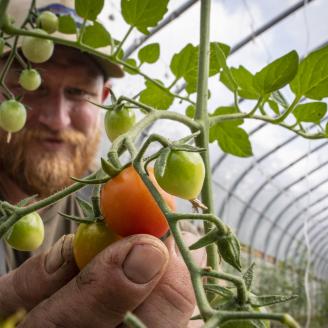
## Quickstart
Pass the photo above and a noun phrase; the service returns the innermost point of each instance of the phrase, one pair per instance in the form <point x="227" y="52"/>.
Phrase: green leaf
<point x="184" y="62"/>
<point x="89" y="9"/>
<point x="206" y="240"/>
<point x="109" y="168"/>
<point x="96" y="36"/>
<point x="312" y="78"/>
<point x="244" y="80"/>
<point x="133" y="63"/>
<point x="280" y="99"/>
<point x="225" y="292"/>
<point x="66" y="24"/>
<point x="162" y="160"/>
<point x="327" y="129"/>
<point x="231" y="139"/>
<point x="191" y="111"/>
<point x="215" y="61"/>
<point x="149" y="54"/>
<point x="277" y="74"/>
<point x="143" y="14"/>
<point x="85" y="207"/>
<point x="274" y="106"/>
<point x="220" y="57"/>
<point x="310" y="112"/>
<point x="248" y="276"/>
<point x="78" y="219"/>
<point x="266" y="300"/>
<point x="229" y="249"/>
<point x="156" y="97"/>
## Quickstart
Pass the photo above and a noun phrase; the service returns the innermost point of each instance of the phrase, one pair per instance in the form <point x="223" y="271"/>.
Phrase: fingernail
<point x="60" y="253"/>
<point x="143" y="263"/>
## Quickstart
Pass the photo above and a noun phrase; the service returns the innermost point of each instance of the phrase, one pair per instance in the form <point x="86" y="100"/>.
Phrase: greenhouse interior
<point x="268" y="170"/>
<point x="276" y="200"/>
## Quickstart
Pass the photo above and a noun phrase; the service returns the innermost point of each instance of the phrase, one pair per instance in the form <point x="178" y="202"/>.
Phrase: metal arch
<point x="249" y="168"/>
<point x="319" y="243"/>
<point x="294" y="218"/>
<point x="278" y="194"/>
<point x="300" y="227"/>
<point x="263" y="185"/>
<point x="279" y="216"/>
<point x="313" y="246"/>
<point x="268" y="25"/>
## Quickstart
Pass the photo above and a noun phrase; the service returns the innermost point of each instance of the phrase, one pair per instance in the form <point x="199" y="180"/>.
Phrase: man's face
<point x="61" y="135"/>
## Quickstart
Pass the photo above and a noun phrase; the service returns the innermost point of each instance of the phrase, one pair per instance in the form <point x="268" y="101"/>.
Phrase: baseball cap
<point x="18" y="9"/>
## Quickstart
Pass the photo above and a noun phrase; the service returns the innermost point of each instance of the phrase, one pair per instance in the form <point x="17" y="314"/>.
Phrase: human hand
<point x="136" y="274"/>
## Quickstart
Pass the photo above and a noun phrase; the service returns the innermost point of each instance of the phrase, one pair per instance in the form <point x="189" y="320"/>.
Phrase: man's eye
<point x="76" y="92"/>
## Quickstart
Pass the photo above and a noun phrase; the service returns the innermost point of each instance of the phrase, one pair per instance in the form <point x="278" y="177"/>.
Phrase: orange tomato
<point x="129" y="208"/>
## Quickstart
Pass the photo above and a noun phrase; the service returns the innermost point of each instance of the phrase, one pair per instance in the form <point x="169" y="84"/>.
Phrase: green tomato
<point x="119" y="121"/>
<point x="12" y="115"/>
<point x="27" y="234"/>
<point x="89" y="240"/>
<point x="48" y="21"/>
<point x="30" y="79"/>
<point x="37" y="50"/>
<point x="183" y="175"/>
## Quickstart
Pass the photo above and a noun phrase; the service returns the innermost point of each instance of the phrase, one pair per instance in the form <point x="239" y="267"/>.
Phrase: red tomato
<point x="129" y="208"/>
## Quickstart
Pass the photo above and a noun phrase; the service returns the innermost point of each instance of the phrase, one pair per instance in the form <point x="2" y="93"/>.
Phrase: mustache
<point x="70" y="136"/>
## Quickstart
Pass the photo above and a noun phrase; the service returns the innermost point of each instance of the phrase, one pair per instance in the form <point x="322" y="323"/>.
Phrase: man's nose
<point x="55" y="114"/>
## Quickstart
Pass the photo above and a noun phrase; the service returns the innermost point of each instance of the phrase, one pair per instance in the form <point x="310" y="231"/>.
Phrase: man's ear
<point x="106" y="91"/>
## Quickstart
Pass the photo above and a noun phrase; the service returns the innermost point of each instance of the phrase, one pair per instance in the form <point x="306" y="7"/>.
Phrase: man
<point x="139" y="273"/>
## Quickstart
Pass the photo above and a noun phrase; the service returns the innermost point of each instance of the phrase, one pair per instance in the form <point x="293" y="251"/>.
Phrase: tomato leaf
<point x="266" y="300"/>
<point x="131" y="62"/>
<point x="162" y="160"/>
<point x="149" y="54"/>
<point x="312" y="78"/>
<point x="191" y="111"/>
<point x="274" y="106"/>
<point x="96" y="36"/>
<point x="277" y="74"/>
<point x="229" y="249"/>
<point x="156" y="97"/>
<point x="85" y="207"/>
<point x="66" y="24"/>
<point x="248" y="276"/>
<point x="220" y="57"/>
<point x="209" y="238"/>
<point x="143" y="14"/>
<point x="217" y="289"/>
<point x="109" y="168"/>
<point x="187" y="148"/>
<point x="78" y="219"/>
<point x="89" y="9"/>
<point x="185" y="61"/>
<point x="326" y="129"/>
<point x="310" y="112"/>
<point x="244" y="81"/>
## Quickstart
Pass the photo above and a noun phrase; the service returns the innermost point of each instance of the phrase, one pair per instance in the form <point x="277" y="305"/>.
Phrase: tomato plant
<point x="48" y="21"/>
<point x="129" y="208"/>
<point x="12" y="115"/>
<point x="27" y="234"/>
<point x="183" y="175"/>
<point x="119" y="121"/>
<point x="37" y="50"/>
<point x="89" y="240"/>
<point x="30" y="79"/>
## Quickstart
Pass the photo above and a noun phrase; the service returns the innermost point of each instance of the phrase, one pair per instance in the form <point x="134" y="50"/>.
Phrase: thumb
<point x="38" y="278"/>
<point x="118" y="280"/>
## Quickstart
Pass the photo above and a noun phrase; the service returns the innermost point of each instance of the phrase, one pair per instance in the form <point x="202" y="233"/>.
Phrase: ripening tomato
<point x="119" y="121"/>
<point x="27" y="234"/>
<point x="89" y="240"/>
<point x="183" y="175"/>
<point x="129" y="208"/>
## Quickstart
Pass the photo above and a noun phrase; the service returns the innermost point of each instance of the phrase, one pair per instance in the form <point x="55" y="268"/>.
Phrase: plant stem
<point x="289" y="110"/>
<point x="201" y="116"/>
<point x="122" y="42"/>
